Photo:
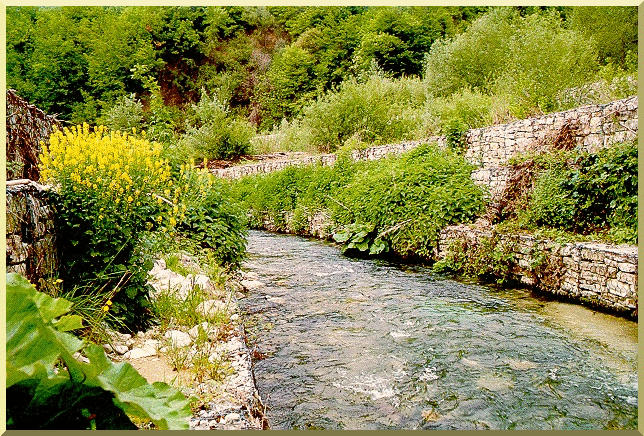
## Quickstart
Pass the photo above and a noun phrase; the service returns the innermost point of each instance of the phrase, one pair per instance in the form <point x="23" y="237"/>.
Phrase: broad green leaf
<point x="362" y="246"/>
<point x="341" y="236"/>
<point x="360" y="235"/>
<point x="164" y="405"/>
<point x="69" y="322"/>
<point x="377" y="247"/>
<point x="34" y="345"/>
<point x="32" y="342"/>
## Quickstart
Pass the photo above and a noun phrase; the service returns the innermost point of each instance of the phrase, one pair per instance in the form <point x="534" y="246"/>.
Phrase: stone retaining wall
<point x="31" y="236"/>
<point x="27" y="126"/>
<point x="588" y="128"/>
<point x="600" y="275"/>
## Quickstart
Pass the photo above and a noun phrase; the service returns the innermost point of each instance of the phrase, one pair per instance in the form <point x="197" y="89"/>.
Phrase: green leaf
<point x="164" y="405"/>
<point x="35" y="344"/>
<point x="362" y="246"/>
<point x="341" y="236"/>
<point x="131" y="291"/>
<point x="378" y="246"/>
<point x="69" y="322"/>
<point x="360" y="235"/>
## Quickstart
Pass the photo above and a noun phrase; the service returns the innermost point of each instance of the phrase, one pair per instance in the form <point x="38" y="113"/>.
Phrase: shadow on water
<point x="368" y="344"/>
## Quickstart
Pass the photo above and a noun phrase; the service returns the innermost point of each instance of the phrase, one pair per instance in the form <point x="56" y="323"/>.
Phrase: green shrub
<point x="213" y="133"/>
<point x="47" y="388"/>
<point x="471" y="108"/>
<point x="376" y="111"/>
<point x="125" y="114"/>
<point x="108" y="192"/>
<point x="288" y="85"/>
<point x="544" y="59"/>
<point x="398" y="203"/>
<point x="410" y="198"/>
<point x="524" y="60"/>
<point x="455" y="132"/>
<point x="551" y="204"/>
<point x="613" y="29"/>
<point x="488" y="259"/>
<point x="211" y="218"/>
<point x="473" y="59"/>
<point x="596" y="194"/>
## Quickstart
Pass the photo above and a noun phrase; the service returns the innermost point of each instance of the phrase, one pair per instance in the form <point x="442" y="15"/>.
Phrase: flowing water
<point x="369" y="344"/>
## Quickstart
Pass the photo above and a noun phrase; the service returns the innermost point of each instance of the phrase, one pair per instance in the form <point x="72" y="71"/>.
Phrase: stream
<point x="372" y="344"/>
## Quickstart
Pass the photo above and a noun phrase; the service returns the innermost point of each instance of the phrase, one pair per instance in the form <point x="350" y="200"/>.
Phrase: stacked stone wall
<point x="587" y="128"/>
<point x="600" y="275"/>
<point x="27" y="126"/>
<point x="31" y="233"/>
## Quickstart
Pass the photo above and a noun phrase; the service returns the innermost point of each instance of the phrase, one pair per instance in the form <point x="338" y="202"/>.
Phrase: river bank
<point x="210" y="361"/>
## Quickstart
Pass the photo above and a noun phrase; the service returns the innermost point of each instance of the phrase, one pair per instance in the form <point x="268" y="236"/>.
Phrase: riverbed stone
<point x="116" y="348"/>
<point x="141" y="352"/>
<point x="252" y="285"/>
<point x="178" y="338"/>
<point x="231" y="417"/>
<point x="210" y="308"/>
<point x="202" y="281"/>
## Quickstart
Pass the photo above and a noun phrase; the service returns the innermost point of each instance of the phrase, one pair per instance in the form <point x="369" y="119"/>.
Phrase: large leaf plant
<point x="48" y="388"/>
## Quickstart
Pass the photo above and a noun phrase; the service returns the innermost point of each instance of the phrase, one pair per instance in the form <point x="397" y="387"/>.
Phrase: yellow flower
<point x="130" y="199"/>
<point x="106" y="308"/>
<point x="109" y="302"/>
<point x="59" y="280"/>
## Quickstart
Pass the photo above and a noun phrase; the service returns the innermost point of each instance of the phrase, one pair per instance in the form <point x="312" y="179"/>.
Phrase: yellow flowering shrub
<point x="109" y="188"/>
<point x="123" y="174"/>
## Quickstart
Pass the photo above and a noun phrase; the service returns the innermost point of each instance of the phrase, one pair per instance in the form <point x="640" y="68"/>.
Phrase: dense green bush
<point x="598" y="192"/>
<point x="471" y="108"/>
<point x="525" y="59"/>
<point x="543" y="59"/>
<point x="398" y="203"/>
<point x="613" y="30"/>
<point x="112" y="188"/>
<point x="488" y="259"/>
<point x="108" y="190"/>
<point x="377" y="110"/>
<point x="473" y="59"/>
<point x="125" y="114"/>
<point x="411" y="198"/>
<point x="289" y="83"/>
<point x="211" y="218"/>
<point x="48" y="388"/>
<point x="213" y="133"/>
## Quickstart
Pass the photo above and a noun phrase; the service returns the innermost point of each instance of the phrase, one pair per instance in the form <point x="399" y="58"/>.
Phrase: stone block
<point x="17" y="251"/>
<point x="627" y="267"/>
<point x="20" y="268"/>
<point x="16" y="212"/>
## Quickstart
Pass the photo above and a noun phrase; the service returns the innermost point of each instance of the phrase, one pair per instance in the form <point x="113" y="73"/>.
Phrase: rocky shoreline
<point x="227" y="400"/>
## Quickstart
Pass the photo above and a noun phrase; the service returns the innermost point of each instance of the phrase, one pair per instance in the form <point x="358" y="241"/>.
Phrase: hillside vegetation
<point x="211" y="82"/>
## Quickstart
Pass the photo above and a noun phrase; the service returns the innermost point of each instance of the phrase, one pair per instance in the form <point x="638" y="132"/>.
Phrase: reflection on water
<point x="364" y="344"/>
